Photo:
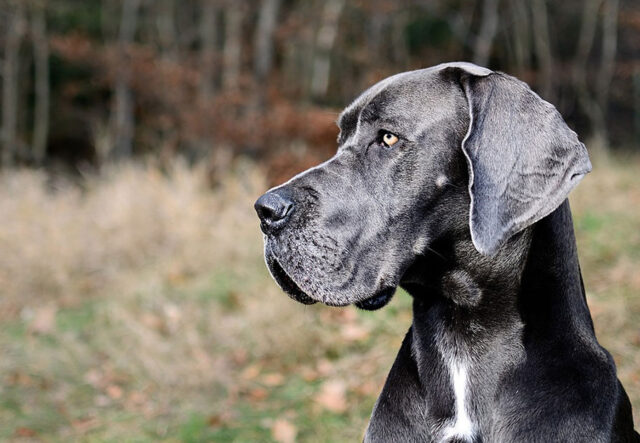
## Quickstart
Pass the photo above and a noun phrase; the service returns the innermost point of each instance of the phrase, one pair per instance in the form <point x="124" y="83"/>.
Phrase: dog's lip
<point x="287" y="284"/>
<point x="378" y="300"/>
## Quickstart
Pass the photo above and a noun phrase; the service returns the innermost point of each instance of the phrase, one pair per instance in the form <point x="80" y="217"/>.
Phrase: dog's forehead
<point x="380" y="96"/>
<point x="402" y="94"/>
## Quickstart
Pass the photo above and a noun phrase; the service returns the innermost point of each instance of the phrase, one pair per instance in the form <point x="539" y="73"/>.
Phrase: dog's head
<point x="422" y="154"/>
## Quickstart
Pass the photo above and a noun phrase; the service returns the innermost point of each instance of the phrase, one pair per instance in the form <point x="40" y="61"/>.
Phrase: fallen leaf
<point x="102" y="401"/>
<point x="283" y="431"/>
<point x="240" y="356"/>
<point x="308" y="374"/>
<point x="44" y="319"/>
<point x="20" y="378"/>
<point x="24" y="432"/>
<point x="215" y="421"/>
<point x="172" y="315"/>
<point x="368" y="388"/>
<point x="176" y="276"/>
<point x="339" y="315"/>
<point x="354" y="332"/>
<point x="151" y="321"/>
<point x="273" y="379"/>
<point x="332" y="396"/>
<point x="348" y="314"/>
<point x="258" y="394"/>
<point x="85" y="424"/>
<point x="136" y="398"/>
<point x="114" y="391"/>
<point x="250" y="372"/>
<point x="324" y="367"/>
<point x="94" y="378"/>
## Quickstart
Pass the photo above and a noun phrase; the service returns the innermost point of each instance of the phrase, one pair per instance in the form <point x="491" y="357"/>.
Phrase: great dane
<point x="452" y="182"/>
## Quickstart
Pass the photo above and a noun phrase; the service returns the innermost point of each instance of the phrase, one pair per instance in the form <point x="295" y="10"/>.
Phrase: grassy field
<point x="137" y="307"/>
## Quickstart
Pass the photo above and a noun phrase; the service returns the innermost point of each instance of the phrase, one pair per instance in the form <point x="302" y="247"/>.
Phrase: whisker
<point x="453" y="186"/>
<point x="436" y="253"/>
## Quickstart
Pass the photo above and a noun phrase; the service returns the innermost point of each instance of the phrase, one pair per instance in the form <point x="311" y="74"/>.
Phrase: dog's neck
<point x="533" y="281"/>
<point x="476" y="316"/>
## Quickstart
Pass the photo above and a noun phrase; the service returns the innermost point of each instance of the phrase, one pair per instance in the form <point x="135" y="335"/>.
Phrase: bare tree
<point x="167" y="28"/>
<point x="580" y="67"/>
<point x="123" y="118"/>
<point x="400" y="53"/>
<point x="10" y="73"/>
<point x="488" y="28"/>
<point x="263" y="46"/>
<point x="595" y="104"/>
<point x="521" y="31"/>
<point x="233" y="15"/>
<point x="325" y="40"/>
<point x="208" y="37"/>
<point x="374" y="29"/>
<point x="542" y="47"/>
<point x="609" y="44"/>
<point x="636" y="100"/>
<point x="587" y="33"/>
<point x="41" y="80"/>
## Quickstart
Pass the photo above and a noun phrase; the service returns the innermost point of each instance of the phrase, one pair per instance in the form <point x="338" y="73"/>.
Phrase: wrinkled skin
<point x="362" y="217"/>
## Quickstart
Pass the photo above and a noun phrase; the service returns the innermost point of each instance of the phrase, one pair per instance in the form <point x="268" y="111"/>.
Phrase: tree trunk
<point x="488" y="28"/>
<point x="609" y="45"/>
<point x="400" y="51"/>
<point x="595" y="104"/>
<point x="580" y="66"/>
<point x="264" y="47"/>
<point x="521" y="35"/>
<point x="208" y="37"/>
<point x="10" y="73"/>
<point x="208" y="50"/>
<point x="123" y="109"/>
<point x="233" y="17"/>
<point x="587" y="32"/>
<point x="542" y="48"/>
<point x="42" y="90"/>
<point x="325" y="39"/>
<point x="167" y="29"/>
<point x="636" y="102"/>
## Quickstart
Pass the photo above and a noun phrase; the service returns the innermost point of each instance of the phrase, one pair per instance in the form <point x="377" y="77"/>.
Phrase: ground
<point x="136" y="306"/>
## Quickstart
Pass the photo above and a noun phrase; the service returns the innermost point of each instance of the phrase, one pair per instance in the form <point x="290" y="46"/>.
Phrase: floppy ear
<point x="522" y="157"/>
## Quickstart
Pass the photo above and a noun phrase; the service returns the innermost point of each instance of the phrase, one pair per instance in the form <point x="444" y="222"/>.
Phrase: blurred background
<point x="135" y="136"/>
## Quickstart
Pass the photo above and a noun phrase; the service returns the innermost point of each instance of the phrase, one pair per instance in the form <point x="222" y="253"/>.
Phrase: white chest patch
<point x="462" y="427"/>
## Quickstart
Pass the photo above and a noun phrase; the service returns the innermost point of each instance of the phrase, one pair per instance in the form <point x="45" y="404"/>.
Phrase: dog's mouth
<point x="377" y="301"/>
<point x="286" y="283"/>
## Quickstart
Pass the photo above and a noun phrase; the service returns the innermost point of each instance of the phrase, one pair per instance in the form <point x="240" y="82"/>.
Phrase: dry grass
<point x="607" y="219"/>
<point x="67" y="243"/>
<point x="115" y="257"/>
<point x="137" y="306"/>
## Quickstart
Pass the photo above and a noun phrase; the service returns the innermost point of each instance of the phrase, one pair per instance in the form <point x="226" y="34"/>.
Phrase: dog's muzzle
<point x="285" y="282"/>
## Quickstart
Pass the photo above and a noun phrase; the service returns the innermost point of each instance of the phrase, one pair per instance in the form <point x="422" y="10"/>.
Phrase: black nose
<point x="274" y="209"/>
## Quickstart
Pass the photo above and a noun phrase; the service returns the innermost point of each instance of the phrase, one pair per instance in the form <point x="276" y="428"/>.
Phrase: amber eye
<point x="389" y="139"/>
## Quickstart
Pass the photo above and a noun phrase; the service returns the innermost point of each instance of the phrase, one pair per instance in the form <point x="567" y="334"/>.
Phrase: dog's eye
<point x="389" y="139"/>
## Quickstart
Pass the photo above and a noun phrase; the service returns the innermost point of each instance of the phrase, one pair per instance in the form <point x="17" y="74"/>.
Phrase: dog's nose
<point x="274" y="209"/>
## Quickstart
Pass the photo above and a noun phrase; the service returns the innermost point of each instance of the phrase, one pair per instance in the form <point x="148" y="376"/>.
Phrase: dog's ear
<point x="522" y="157"/>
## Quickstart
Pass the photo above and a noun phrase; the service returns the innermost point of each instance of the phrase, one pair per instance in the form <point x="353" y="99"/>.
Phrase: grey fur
<point x="523" y="158"/>
<point x="468" y="212"/>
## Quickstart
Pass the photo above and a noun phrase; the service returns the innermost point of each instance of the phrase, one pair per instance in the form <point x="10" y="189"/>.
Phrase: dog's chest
<point x="460" y="428"/>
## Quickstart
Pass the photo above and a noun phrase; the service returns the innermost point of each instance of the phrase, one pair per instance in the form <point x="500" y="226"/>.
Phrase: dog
<point x="452" y="182"/>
